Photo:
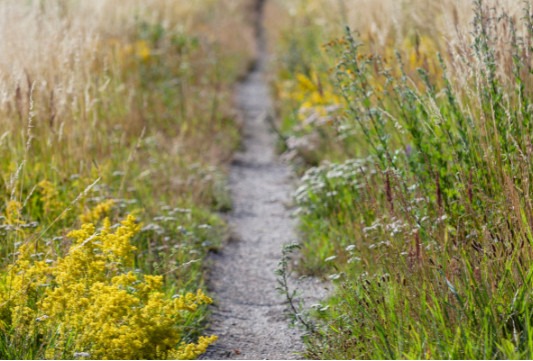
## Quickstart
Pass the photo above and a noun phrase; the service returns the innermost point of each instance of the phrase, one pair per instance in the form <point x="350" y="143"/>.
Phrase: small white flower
<point x="42" y="318"/>
<point x="330" y="258"/>
<point x="81" y="354"/>
<point x="335" y="276"/>
<point x="350" y="248"/>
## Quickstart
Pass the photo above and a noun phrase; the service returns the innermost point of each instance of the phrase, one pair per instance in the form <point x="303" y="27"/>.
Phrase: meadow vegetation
<point x="409" y="121"/>
<point x="412" y="131"/>
<point x="116" y="123"/>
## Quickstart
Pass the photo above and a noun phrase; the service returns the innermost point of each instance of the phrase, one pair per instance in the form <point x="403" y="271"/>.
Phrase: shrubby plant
<point x="93" y="302"/>
<point x="421" y="217"/>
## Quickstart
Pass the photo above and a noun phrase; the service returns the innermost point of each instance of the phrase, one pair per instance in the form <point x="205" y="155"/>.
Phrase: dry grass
<point x="110" y="108"/>
<point x="73" y="72"/>
<point x="382" y="26"/>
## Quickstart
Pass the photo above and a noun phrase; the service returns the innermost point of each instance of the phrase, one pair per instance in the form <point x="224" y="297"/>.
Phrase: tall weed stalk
<point x="432" y="229"/>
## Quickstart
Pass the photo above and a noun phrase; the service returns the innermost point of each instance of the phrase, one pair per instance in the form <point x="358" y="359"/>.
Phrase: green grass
<point x="428" y="208"/>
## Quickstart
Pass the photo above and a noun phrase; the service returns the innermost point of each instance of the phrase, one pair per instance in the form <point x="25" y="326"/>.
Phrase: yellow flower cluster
<point x="191" y="351"/>
<point x="127" y="54"/>
<point x="98" y="212"/>
<point x="422" y="53"/>
<point x="93" y="302"/>
<point x="416" y="50"/>
<point x="142" y="50"/>
<point x="13" y="212"/>
<point x="49" y="196"/>
<point x="316" y="98"/>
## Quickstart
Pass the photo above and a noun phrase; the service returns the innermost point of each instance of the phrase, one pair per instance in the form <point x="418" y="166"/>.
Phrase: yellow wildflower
<point x="94" y="302"/>
<point x="98" y="212"/>
<point x="192" y="351"/>
<point x="142" y="50"/>
<point x="49" y="196"/>
<point x="315" y="96"/>
<point x="13" y="212"/>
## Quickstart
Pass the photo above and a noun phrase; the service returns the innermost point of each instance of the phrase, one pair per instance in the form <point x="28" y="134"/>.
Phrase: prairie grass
<point x="110" y="109"/>
<point x="419" y="208"/>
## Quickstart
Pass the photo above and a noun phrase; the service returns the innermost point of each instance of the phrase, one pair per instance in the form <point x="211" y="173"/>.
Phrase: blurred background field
<point x="412" y="132"/>
<point x="110" y="109"/>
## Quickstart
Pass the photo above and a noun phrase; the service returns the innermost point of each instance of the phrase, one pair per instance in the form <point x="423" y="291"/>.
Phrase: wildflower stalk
<point x="283" y="273"/>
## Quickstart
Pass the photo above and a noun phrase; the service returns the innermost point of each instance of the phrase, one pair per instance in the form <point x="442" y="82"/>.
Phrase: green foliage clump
<point x="427" y="222"/>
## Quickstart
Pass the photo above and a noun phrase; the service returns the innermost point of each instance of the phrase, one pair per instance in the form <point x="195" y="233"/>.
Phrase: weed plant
<point x="424" y="214"/>
<point x="109" y="111"/>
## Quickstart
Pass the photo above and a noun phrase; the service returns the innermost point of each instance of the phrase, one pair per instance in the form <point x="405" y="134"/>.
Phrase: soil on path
<point x="249" y="313"/>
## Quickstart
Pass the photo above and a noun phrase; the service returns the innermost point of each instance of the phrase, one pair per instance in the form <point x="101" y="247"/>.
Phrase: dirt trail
<point x="249" y="315"/>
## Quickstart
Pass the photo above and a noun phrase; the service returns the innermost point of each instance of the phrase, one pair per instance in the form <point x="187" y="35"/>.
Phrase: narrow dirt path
<point x="249" y="315"/>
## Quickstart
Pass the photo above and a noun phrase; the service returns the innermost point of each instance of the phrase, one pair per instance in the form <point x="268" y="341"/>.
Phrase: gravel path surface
<point x="249" y="313"/>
